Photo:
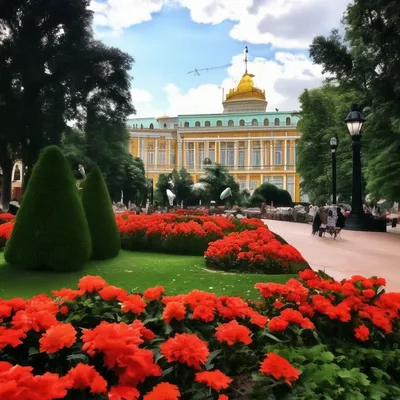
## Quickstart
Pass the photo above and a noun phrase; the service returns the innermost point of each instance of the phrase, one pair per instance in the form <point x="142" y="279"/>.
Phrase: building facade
<point x="256" y="145"/>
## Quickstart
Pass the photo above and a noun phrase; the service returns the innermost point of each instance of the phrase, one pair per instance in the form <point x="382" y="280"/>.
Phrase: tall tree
<point x="161" y="189"/>
<point x="215" y="180"/>
<point x="183" y="183"/>
<point x="53" y="71"/>
<point x="367" y="60"/>
<point x="322" y="118"/>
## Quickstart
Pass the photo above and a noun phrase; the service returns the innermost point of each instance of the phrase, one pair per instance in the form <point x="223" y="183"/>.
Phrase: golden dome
<point x="246" y="89"/>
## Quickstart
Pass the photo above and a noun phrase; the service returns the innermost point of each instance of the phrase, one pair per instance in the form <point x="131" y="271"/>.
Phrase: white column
<point x="156" y="154"/>
<point x="284" y="182"/>
<point x="284" y="154"/>
<point x="248" y="182"/>
<point x="271" y="155"/>
<point x="179" y="155"/>
<point x="236" y="162"/>
<point x="248" y="159"/>
<point x="206" y="149"/>
<point x="262" y="146"/>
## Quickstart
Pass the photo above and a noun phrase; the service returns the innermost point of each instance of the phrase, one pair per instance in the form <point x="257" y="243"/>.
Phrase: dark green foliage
<point x="161" y="189"/>
<point x="269" y="193"/>
<point x="51" y="231"/>
<point x="366" y="62"/>
<point x="106" y="241"/>
<point x="323" y="112"/>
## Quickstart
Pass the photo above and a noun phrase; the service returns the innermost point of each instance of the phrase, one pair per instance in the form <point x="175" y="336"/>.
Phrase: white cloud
<point x="143" y="101"/>
<point x="283" y="79"/>
<point x="120" y="14"/>
<point x="283" y="23"/>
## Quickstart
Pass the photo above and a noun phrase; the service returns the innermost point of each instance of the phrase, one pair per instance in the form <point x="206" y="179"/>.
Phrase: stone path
<point x="356" y="253"/>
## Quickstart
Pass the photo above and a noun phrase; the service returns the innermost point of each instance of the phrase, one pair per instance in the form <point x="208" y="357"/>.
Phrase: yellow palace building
<point x="254" y="144"/>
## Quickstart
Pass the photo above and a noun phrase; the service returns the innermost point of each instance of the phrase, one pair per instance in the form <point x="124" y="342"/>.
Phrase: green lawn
<point x="136" y="271"/>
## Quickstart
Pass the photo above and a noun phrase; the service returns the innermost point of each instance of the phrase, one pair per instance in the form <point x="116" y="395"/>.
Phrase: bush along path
<point x="311" y="338"/>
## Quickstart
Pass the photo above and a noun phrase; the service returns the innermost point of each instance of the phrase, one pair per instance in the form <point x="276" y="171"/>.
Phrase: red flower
<point x="290" y="315"/>
<point x="278" y="304"/>
<point x="223" y="397"/>
<point x="57" y="337"/>
<point x="233" y="332"/>
<point x="369" y="293"/>
<point x="214" y="379"/>
<point x="187" y="349"/>
<point x="361" y="333"/>
<point x="307" y="274"/>
<point x="174" y="310"/>
<point x="10" y="337"/>
<point x="163" y="391"/>
<point x="68" y="294"/>
<point x="85" y="376"/>
<point x="279" y="368"/>
<point x="277" y="324"/>
<point x="123" y="393"/>
<point x="204" y="313"/>
<point x="307" y="324"/>
<point x="64" y="310"/>
<point x="133" y="303"/>
<point x="91" y="284"/>
<point x="112" y="292"/>
<point x="153" y="293"/>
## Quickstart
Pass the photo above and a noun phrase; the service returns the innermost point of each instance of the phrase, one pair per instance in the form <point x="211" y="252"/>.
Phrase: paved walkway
<point x="356" y="253"/>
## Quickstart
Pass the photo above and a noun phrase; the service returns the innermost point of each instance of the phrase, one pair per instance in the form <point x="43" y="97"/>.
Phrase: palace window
<point x="277" y="122"/>
<point x="294" y="153"/>
<point x="151" y="126"/>
<point x="242" y="185"/>
<point x="241" y="122"/>
<point x="253" y="184"/>
<point x="290" y="186"/>
<point x="277" y="181"/>
<point x="150" y="158"/>
<point x="219" y="123"/>
<point x="201" y="155"/>
<point x="211" y="151"/>
<point x="17" y="173"/>
<point x="141" y="126"/>
<point x="288" y="121"/>
<point x="161" y="158"/>
<point x="165" y="125"/>
<point x="197" y="124"/>
<point x="254" y="122"/>
<point x="256" y="154"/>
<point x="172" y="157"/>
<point x="266" y="122"/>
<point x="186" y="125"/>
<point x="278" y="153"/>
<point x="227" y="155"/>
<point x="230" y="123"/>
<point x="190" y="154"/>
<point x="207" y="123"/>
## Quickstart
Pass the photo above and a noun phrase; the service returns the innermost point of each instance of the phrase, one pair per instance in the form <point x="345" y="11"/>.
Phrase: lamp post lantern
<point x="354" y="121"/>
<point x="334" y="145"/>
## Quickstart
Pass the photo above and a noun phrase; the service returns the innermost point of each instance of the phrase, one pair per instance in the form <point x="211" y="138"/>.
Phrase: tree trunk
<point x="6" y="166"/>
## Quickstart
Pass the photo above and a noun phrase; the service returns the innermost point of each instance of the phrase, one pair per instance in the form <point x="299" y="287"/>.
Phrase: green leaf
<point x="32" y="351"/>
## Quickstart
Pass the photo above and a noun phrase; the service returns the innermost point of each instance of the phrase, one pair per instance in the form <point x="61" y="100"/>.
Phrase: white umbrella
<point x="226" y="193"/>
<point x="171" y="197"/>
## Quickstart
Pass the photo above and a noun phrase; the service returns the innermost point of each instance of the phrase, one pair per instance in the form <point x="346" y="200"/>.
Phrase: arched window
<point x="288" y="121"/>
<point x="165" y="125"/>
<point x="219" y="123"/>
<point x="277" y="122"/>
<point x="207" y="123"/>
<point x="241" y="122"/>
<point x="141" y="126"/>
<point x="197" y="124"/>
<point x="254" y="122"/>
<point x="151" y="126"/>
<point x="230" y="123"/>
<point x="186" y="125"/>
<point x="266" y="122"/>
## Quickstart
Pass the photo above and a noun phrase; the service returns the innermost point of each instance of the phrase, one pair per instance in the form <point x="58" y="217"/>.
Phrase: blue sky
<point x="169" y="38"/>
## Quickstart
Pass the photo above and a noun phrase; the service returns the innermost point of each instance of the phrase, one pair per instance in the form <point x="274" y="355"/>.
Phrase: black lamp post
<point x="357" y="219"/>
<point x="334" y="145"/>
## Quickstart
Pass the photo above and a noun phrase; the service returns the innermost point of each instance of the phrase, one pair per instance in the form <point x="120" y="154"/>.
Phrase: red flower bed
<point x="5" y="217"/>
<point x="101" y="342"/>
<point x="173" y="233"/>
<point x="5" y="233"/>
<point x="185" y="211"/>
<point x="254" y="251"/>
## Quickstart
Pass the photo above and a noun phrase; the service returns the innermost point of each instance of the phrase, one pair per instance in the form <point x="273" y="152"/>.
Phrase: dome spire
<point x="246" y="51"/>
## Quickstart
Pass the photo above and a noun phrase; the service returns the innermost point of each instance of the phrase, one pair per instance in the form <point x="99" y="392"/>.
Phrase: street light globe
<point x="333" y="143"/>
<point x="355" y="120"/>
<point x="207" y="161"/>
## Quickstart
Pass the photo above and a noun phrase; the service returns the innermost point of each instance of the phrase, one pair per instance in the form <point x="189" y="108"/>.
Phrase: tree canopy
<point x="53" y="71"/>
<point x="322" y="115"/>
<point x="367" y="61"/>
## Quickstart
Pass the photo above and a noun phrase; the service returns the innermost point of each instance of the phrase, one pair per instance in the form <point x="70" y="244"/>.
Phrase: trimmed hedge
<point x="106" y="240"/>
<point x="51" y="231"/>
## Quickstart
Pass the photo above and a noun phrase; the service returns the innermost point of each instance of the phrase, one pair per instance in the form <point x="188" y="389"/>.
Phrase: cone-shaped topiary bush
<point x="106" y="240"/>
<point x="51" y="231"/>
